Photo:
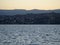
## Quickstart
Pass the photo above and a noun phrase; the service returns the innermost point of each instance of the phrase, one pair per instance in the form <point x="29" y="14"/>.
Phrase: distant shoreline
<point x="40" y="18"/>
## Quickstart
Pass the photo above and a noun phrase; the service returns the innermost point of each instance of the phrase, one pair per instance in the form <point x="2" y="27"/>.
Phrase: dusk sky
<point x="30" y="4"/>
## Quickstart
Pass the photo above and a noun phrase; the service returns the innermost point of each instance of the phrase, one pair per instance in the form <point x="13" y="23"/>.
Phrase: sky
<point x="30" y="4"/>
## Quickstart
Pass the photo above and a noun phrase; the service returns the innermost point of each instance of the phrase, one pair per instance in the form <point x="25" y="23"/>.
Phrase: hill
<point x="22" y="11"/>
<point x="40" y="18"/>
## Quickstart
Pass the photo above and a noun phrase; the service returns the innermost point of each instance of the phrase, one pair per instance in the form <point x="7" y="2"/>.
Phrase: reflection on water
<point x="29" y="34"/>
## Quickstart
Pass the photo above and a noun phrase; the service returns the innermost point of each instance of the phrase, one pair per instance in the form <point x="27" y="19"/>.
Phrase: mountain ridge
<point x="23" y="11"/>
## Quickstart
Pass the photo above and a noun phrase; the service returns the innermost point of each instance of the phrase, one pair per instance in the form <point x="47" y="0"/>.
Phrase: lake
<point x="29" y="34"/>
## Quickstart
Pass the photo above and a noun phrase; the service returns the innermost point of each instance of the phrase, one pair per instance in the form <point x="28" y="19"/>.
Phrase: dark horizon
<point x="23" y="11"/>
<point x="42" y="18"/>
<point x="30" y="16"/>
